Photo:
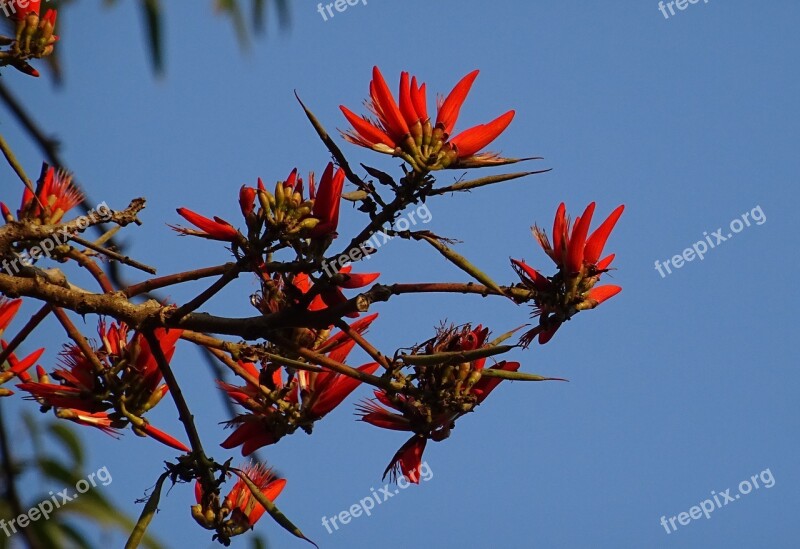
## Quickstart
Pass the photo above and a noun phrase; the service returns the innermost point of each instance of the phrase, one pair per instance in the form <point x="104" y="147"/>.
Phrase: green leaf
<point x="461" y="262"/>
<point x="147" y="515"/>
<point x="69" y="440"/>
<point x="517" y="376"/>
<point x="77" y="537"/>
<point x="455" y="357"/>
<point x="56" y="471"/>
<point x="152" y="17"/>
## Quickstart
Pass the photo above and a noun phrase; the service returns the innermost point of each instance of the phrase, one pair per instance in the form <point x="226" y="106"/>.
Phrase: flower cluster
<point x="55" y="195"/>
<point x="405" y="129"/>
<point x="279" y="400"/>
<point x="284" y="215"/>
<point x="437" y="393"/>
<point x="240" y="509"/>
<point x="577" y="256"/>
<point x="33" y="37"/>
<point x="112" y="388"/>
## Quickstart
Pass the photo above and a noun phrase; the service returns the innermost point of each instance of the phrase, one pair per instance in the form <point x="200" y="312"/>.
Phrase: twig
<point x="113" y="255"/>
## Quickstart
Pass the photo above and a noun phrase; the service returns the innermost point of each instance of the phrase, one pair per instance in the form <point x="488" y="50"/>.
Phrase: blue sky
<point x="679" y="386"/>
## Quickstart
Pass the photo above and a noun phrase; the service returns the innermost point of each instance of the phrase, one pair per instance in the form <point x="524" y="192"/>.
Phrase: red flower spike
<point x="244" y="508"/>
<point x="56" y="194"/>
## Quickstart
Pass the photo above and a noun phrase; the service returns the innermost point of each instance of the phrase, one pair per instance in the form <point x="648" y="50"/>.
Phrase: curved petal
<point x="476" y="138"/>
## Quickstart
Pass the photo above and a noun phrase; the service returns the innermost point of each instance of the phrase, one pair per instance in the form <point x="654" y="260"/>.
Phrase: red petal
<point x="408" y="459"/>
<point x="602" y="293"/>
<point x="604" y="263"/>
<point x="8" y="308"/>
<point x="355" y="280"/>
<point x="539" y="281"/>
<point x="164" y="438"/>
<point x="596" y="242"/>
<point x="560" y="234"/>
<point x="474" y="139"/>
<point x="369" y="133"/>
<point x="384" y="102"/>
<point x="578" y="240"/>
<point x="418" y="99"/>
<point x="333" y="393"/>
<point x="449" y="110"/>
<point x="406" y="104"/>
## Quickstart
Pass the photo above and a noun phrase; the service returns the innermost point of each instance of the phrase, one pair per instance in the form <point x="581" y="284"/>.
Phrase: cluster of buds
<point x="240" y="509"/>
<point x="280" y="400"/>
<point x="572" y="288"/>
<point x="112" y="389"/>
<point x="437" y="393"/>
<point x="405" y="130"/>
<point x="286" y="212"/>
<point x="33" y="35"/>
<point x="284" y="215"/>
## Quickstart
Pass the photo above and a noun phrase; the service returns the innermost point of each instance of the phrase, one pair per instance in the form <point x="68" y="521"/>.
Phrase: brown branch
<point x="331" y="364"/>
<point x="376" y="355"/>
<point x="75" y="335"/>
<point x="175" y="278"/>
<point x="204" y="464"/>
<point x="231" y="274"/>
<point x="94" y="269"/>
<point x="113" y="255"/>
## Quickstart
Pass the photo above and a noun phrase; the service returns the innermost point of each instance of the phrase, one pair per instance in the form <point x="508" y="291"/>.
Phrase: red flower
<point x="321" y="392"/>
<point x="405" y="130"/>
<point x="326" y="201"/>
<point x="577" y="256"/>
<point x="244" y="508"/>
<point x="332" y="296"/>
<point x="443" y="397"/>
<point x="18" y="368"/>
<point x="297" y="403"/>
<point x="213" y="229"/>
<point x="264" y="424"/>
<point x="86" y="396"/>
<point x="56" y="196"/>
